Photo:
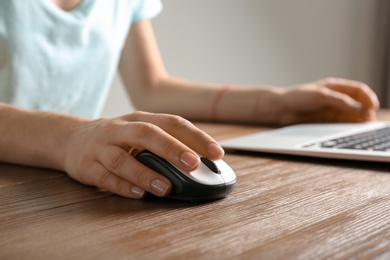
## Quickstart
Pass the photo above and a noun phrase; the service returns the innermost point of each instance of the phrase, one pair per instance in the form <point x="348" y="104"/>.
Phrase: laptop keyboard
<point x="377" y="140"/>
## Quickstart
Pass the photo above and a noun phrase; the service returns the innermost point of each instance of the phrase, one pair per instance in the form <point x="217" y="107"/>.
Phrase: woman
<point x="57" y="59"/>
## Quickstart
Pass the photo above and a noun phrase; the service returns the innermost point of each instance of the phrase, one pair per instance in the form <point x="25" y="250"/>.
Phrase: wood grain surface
<point x="283" y="207"/>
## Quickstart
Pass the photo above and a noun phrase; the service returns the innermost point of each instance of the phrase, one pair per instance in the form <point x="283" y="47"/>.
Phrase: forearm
<point x="34" y="138"/>
<point x="205" y="101"/>
<point x="151" y="88"/>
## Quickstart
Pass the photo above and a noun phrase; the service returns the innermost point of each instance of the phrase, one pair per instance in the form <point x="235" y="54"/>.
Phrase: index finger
<point x="184" y="131"/>
<point x="355" y="89"/>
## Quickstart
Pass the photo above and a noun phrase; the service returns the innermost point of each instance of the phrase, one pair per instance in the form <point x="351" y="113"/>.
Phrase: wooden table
<point x="283" y="207"/>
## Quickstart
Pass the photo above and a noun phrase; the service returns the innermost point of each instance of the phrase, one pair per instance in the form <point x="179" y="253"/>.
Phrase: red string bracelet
<point x="217" y="98"/>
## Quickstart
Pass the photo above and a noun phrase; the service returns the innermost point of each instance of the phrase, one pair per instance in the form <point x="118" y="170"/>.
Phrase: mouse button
<point x="205" y="176"/>
<point x="227" y="172"/>
<point x="211" y="165"/>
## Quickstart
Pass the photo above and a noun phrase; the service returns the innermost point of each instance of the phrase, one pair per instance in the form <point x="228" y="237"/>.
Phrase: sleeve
<point x="147" y="9"/>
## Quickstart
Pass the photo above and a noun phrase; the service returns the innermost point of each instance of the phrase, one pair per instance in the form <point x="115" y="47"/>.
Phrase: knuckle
<point x="121" y="187"/>
<point x="363" y="86"/>
<point x="323" y="93"/>
<point x="139" y="177"/>
<point x="325" y="82"/>
<point x="103" y="178"/>
<point x="144" y="130"/>
<point x="109" y="126"/>
<point x="139" y="114"/>
<point x="177" y="121"/>
<point x="171" y="148"/>
<point x="331" y="80"/>
<point x="116" y="160"/>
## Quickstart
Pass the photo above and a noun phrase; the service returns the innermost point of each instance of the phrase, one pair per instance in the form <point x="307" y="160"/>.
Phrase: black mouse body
<point x="212" y="180"/>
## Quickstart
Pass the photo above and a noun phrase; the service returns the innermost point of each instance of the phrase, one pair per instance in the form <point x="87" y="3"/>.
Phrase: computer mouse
<point x="212" y="180"/>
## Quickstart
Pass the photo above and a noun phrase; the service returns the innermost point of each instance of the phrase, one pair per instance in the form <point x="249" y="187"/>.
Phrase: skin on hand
<point x="99" y="152"/>
<point x="328" y="100"/>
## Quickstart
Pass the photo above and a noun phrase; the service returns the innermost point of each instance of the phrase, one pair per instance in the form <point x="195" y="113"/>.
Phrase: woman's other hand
<point x="328" y="100"/>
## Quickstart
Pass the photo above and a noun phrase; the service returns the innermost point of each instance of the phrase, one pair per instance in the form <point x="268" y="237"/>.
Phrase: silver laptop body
<point x="321" y="140"/>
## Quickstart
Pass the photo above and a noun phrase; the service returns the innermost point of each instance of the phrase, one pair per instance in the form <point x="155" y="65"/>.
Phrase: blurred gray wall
<point x="271" y="42"/>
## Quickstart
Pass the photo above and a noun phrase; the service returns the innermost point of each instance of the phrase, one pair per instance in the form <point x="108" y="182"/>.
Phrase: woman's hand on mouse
<point x="98" y="152"/>
<point x="327" y="100"/>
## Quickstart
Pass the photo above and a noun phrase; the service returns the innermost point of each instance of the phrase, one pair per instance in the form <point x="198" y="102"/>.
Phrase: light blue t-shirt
<point x="62" y="61"/>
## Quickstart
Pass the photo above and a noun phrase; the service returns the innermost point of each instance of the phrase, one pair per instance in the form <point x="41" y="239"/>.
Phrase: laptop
<point x="352" y="141"/>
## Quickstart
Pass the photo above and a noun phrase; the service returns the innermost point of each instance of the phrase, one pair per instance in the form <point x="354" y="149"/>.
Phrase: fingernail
<point x="160" y="187"/>
<point x="190" y="160"/>
<point x="137" y="191"/>
<point x="216" y="150"/>
<point x="357" y="105"/>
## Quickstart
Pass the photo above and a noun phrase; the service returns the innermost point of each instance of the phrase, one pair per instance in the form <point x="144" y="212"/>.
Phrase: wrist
<point x="279" y="108"/>
<point x="34" y="138"/>
<point x="263" y="105"/>
<point x="50" y="137"/>
<point x="269" y="105"/>
<point x="216" y="102"/>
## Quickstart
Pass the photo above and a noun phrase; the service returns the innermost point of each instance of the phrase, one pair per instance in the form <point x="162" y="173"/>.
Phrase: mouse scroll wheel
<point x="210" y="164"/>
